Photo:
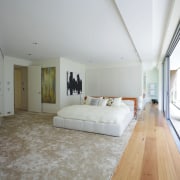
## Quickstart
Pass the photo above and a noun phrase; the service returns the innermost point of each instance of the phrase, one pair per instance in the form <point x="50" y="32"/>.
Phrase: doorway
<point x="20" y="88"/>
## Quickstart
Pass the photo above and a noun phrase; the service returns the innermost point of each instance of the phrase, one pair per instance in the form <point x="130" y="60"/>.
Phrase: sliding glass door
<point x="166" y="87"/>
<point x="175" y="89"/>
<point x="171" y="82"/>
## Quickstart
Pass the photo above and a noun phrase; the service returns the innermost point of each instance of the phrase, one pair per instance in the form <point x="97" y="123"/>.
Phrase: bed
<point x="109" y="120"/>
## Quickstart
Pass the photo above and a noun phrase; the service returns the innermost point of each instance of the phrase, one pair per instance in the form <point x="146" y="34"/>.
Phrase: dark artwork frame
<point x="74" y="83"/>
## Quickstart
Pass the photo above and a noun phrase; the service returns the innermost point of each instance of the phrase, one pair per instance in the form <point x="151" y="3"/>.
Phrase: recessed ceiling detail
<point x="82" y="30"/>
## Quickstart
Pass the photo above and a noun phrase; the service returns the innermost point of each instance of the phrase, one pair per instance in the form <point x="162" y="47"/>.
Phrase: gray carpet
<point x="30" y="148"/>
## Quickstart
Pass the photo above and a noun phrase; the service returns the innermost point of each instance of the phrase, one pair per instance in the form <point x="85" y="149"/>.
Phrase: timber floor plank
<point x="151" y="153"/>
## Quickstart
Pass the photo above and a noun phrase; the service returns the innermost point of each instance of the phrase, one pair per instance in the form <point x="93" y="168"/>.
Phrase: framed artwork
<point x="48" y="80"/>
<point x="74" y="83"/>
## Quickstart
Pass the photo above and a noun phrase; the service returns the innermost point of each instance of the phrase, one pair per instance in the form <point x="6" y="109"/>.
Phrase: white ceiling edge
<point x="117" y="5"/>
<point x="17" y="60"/>
<point x="112" y="65"/>
<point x="159" y="23"/>
<point x="131" y="17"/>
<point x="153" y="23"/>
<point x="87" y="65"/>
<point x="171" y="25"/>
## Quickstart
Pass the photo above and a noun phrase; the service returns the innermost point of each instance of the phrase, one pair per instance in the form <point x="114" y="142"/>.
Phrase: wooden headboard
<point x="124" y="98"/>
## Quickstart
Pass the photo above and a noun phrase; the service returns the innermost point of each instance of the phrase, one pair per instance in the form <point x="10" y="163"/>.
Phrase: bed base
<point x="100" y="128"/>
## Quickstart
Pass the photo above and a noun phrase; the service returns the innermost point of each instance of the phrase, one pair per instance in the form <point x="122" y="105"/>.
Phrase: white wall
<point x="9" y="63"/>
<point x="114" y="81"/>
<point x="1" y="85"/>
<point x="62" y="66"/>
<point x="68" y="65"/>
<point x="123" y="81"/>
<point x="47" y="107"/>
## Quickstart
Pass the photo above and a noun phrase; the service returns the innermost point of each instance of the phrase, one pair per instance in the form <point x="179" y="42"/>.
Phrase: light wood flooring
<point x="151" y="153"/>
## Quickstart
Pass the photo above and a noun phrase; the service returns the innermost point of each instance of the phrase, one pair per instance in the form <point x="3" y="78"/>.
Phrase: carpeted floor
<point x="31" y="148"/>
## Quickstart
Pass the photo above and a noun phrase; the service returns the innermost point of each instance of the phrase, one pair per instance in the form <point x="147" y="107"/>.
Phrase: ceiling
<point x="87" y="31"/>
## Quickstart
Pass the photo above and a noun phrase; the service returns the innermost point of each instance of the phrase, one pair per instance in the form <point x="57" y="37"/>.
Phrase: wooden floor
<point x="151" y="153"/>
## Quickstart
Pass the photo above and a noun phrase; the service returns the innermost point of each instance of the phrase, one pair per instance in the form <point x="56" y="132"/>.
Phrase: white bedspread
<point x="107" y="114"/>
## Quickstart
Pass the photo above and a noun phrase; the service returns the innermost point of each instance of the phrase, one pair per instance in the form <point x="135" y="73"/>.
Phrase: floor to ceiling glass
<point x="174" y="89"/>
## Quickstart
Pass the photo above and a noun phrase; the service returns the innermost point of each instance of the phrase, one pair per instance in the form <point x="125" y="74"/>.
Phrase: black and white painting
<point x="74" y="83"/>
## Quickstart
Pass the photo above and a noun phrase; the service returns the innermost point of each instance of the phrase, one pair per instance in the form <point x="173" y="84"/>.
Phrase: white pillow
<point x="117" y="101"/>
<point x="89" y="98"/>
<point x="94" y="102"/>
<point x="103" y="102"/>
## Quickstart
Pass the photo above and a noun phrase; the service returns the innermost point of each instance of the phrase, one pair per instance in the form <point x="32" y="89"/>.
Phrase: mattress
<point x="106" y="114"/>
<point x="93" y="120"/>
<point x="95" y="127"/>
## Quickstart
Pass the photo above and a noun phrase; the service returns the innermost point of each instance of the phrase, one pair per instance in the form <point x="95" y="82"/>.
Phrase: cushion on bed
<point x="117" y="101"/>
<point x="94" y="102"/>
<point x="89" y="98"/>
<point x="110" y="101"/>
<point x="114" y="101"/>
<point x="103" y="102"/>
